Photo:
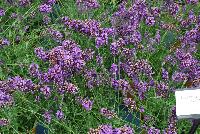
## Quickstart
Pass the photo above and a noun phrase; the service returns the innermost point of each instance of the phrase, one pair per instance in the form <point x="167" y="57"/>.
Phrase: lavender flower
<point x="34" y="70"/>
<point x="86" y="103"/>
<point x="105" y="129"/>
<point x="59" y="114"/>
<point x="162" y="90"/>
<point x="51" y="2"/>
<point x="4" y="122"/>
<point x="5" y="99"/>
<point x="24" y="2"/>
<point x="40" y="53"/>
<point x="99" y="60"/>
<point x="127" y="130"/>
<point x="192" y="1"/>
<point x="69" y="87"/>
<point x="2" y="12"/>
<point x="44" y="8"/>
<point x="155" y="11"/>
<point x="56" y="35"/>
<point x="46" y="91"/>
<point x="173" y="8"/>
<point x="46" y="19"/>
<point x="114" y="70"/>
<point x="85" y="5"/>
<point x="153" y="130"/>
<point x="47" y="116"/>
<point x="179" y="77"/>
<point x="150" y="21"/>
<point x="5" y="42"/>
<point x="165" y="74"/>
<point x="129" y="102"/>
<point x="107" y="113"/>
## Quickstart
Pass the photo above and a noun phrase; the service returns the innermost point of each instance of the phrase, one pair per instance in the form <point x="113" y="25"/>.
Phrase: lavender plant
<point x="72" y="73"/>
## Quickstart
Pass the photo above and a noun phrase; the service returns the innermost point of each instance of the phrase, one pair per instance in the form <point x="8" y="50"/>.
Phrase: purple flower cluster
<point x="162" y="90"/>
<point x="91" y="77"/>
<point x="116" y="47"/>
<point x="4" y="122"/>
<point x="107" y="113"/>
<point x="68" y="87"/>
<point x="172" y="122"/>
<point x="4" y="42"/>
<point x="120" y="84"/>
<point x="5" y="99"/>
<point x="56" y="35"/>
<point x="179" y="77"/>
<point x="142" y="88"/>
<point x="46" y="91"/>
<point x="85" y="102"/>
<point x="59" y="114"/>
<point x="137" y="68"/>
<point x="85" y="5"/>
<point x="153" y="130"/>
<point x="2" y="12"/>
<point x="45" y="8"/>
<point x="108" y="129"/>
<point x="14" y="84"/>
<point x="129" y="102"/>
<point x="41" y="54"/>
<point x="65" y="60"/>
<point x="51" y="2"/>
<point x="90" y="28"/>
<point x="24" y="3"/>
<point x="47" y="116"/>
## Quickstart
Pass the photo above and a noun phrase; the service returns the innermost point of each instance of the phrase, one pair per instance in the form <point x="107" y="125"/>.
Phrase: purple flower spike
<point x="4" y="122"/>
<point x="44" y="8"/>
<point x="47" y="116"/>
<point x="2" y="12"/>
<point x="86" y="103"/>
<point x="59" y="114"/>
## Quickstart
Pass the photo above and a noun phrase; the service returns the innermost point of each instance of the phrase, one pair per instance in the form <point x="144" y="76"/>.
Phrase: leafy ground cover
<point x="88" y="66"/>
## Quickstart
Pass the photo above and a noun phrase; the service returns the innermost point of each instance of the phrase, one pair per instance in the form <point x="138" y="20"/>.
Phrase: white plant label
<point x="188" y="103"/>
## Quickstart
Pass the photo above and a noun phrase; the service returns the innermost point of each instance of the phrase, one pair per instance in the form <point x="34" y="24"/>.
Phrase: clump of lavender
<point x="108" y="129"/>
<point x="45" y="8"/>
<point x="165" y="74"/>
<point x="172" y="122"/>
<point x="91" y="28"/>
<point x="107" y="113"/>
<point x="138" y="67"/>
<point x="114" y="70"/>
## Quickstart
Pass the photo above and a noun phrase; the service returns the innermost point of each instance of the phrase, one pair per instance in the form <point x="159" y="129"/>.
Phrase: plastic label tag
<point x="188" y="103"/>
